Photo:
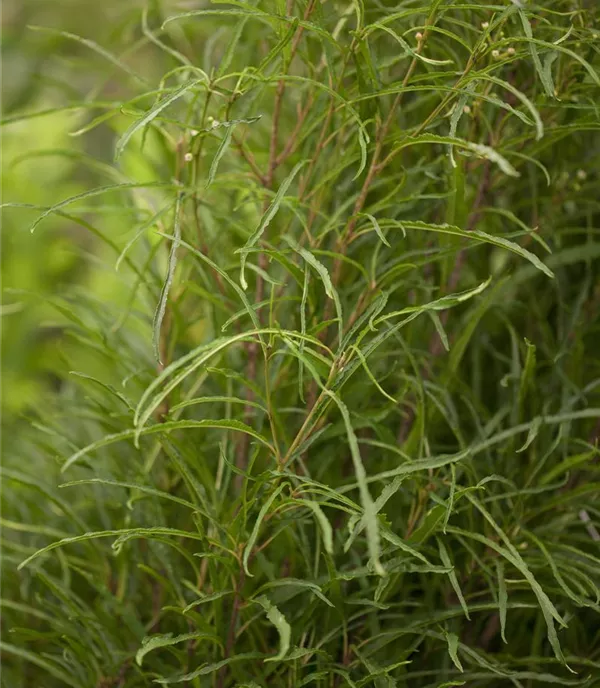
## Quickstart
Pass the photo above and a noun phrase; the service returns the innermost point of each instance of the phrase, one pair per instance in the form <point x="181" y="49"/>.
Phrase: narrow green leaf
<point x="528" y="372"/>
<point x="41" y="662"/>
<point x="511" y="553"/>
<point x="215" y="400"/>
<point x="457" y="113"/>
<point x="322" y="520"/>
<point x="560" y="579"/>
<point x="440" y="304"/>
<point x="246" y="10"/>
<point x="502" y="597"/>
<point x="439" y="328"/>
<point x="223" y="274"/>
<point x="545" y="76"/>
<point x="90" y="194"/>
<point x="154" y="642"/>
<point x="136" y="532"/>
<point x="153" y="113"/>
<point x="133" y="486"/>
<point x="363" y="361"/>
<point x="534" y="428"/>
<point x="377" y="229"/>
<point x="303" y="329"/>
<point x="405" y="46"/>
<point x="207" y="598"/>
<point x="223" y="146"/>
<point x="486" y="152"/>
<point x="279" y="46"/>
<point x="370" y="513"/>
<point x="296" y="583"/>
<point x="164" y="294"/>
<point x="410" y="466"/>
<point x="232" y="46"/>
<point x="207" y="669"/>
<point x="445" y="557"/>
<point x="388" y="491"/>
<point x="566" y="51"/>
<point x="481" y="236"/>
<point x="324" y="275"/>
<point x="254" y="534"/>
<point x="539" y="125"/>
<point x="266" y="220"/>
<point x="168" y="426"/>
<point x="154" y="219"/>
<point x="163" y="46"/>
<point x="281" y="624"/>
<point x="92" y="45"/>
<point x="452" y="640"/>
<point x="450" y="497"/>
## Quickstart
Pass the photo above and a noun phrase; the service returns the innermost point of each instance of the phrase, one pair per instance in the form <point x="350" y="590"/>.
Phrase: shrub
<point x="333" y="419"/>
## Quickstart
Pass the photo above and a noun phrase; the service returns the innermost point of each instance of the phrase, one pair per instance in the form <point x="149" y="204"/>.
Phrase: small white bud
<point x="495" y="54"/>
<point x="419" y="36"/>
<point x="581" y="174"/>
<point x="466" y="109"/>
<point x="485" y="25"/>
<point x="210" y="118"/>
<point x="511" y="51"/>
<point x="215" y="123"/>
<point x="194" y="132"/>
<point x="188" y="157"/>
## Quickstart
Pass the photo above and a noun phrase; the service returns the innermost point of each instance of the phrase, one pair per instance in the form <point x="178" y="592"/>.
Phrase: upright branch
<point x="376" y="166"/>
<point x="241" y="459"/>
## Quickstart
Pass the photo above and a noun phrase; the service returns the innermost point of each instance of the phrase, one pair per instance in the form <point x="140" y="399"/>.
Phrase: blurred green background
<point x="44" y="161"/>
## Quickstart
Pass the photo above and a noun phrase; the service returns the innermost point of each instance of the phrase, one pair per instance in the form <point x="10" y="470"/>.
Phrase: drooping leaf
<point x="281" y="624"/>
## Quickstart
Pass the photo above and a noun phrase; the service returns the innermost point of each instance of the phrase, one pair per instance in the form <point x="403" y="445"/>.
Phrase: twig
<point x="249" y="158"/>
<point x="292" y="141"/>
<point x="235" y="611"/>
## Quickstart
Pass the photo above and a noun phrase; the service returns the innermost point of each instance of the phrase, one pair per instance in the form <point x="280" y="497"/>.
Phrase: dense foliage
<point x="301" y="360"/>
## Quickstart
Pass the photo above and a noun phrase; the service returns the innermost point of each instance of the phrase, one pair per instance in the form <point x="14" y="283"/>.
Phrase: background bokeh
<point x="44" y="160"/>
